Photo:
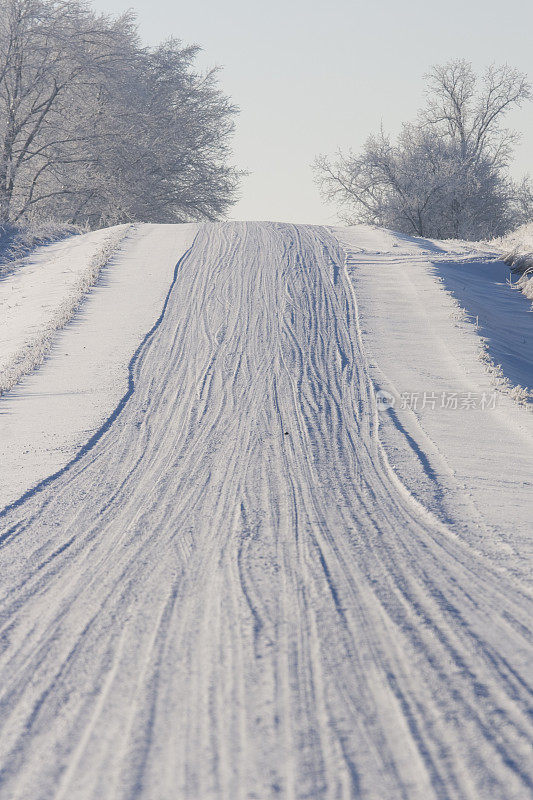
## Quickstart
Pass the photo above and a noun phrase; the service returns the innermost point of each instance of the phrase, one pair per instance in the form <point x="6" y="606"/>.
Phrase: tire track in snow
<point x="232" y="585"/>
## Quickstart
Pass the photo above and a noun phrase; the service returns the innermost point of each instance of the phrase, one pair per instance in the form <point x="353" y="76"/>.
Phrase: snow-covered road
<point x="231" y="594"/>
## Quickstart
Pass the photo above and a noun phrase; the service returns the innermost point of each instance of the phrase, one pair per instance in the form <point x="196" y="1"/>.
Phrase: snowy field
<point x="267" y="518"/>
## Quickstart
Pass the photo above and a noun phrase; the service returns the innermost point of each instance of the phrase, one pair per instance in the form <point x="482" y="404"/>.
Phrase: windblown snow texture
<point x="231" y="595"/>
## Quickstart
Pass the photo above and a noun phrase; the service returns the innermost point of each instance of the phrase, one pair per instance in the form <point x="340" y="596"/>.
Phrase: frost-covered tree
<point x="161" y="150"/>
<point x="524" y="201"/>
<point x="446" y="175"/>
<point x="53" y="58"/>
<point x="95" y="128"/>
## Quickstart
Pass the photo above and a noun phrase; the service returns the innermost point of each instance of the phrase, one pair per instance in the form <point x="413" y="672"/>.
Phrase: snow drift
<point x="519" y="255"/>
<point x="43" y="294"/>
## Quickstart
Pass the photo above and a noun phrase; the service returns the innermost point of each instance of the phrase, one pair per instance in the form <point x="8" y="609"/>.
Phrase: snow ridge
<point x="35" y="350"/>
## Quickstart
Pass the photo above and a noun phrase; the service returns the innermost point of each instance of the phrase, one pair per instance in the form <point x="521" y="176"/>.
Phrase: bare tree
<point x="446" y="175"/>
<point x="95" y="128"/>
<point x="52" y="56"/>
<point x="470" y="117"/>
<point x="163" y="149"/>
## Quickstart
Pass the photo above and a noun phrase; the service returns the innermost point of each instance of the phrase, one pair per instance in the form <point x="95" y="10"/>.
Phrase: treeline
<point x="97" y="129"/>
<point x="447" y="175"/>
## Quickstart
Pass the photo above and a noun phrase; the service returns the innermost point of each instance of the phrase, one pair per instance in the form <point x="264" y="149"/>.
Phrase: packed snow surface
<point x="55" y="410"/>
<point x="258" y="580"/>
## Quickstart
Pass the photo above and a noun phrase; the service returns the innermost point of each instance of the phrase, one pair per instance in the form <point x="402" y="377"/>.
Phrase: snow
<point x="502" y="316"/>
<point x="472" y="466"/>
<point x="56" y="409"/>
<point x="41" y="296"/>
<point x="256" y="580"/>
<point x="520" y="240"/>
<point x="518" y="249"/>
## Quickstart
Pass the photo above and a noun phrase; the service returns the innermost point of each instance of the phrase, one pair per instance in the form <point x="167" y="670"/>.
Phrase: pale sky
<point x="310" y="76"/>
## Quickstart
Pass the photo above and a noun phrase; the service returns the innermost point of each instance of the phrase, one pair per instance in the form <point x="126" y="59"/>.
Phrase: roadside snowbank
<point x="518" y="254"/>
<point x="17" y="242"/>
<point x="54" y="410"/>
<point x="452" y="435"/>
<point x="43" y="295"/>
<point x="521" y="239"/>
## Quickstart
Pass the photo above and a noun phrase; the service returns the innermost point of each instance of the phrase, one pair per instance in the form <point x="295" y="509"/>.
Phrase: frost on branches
<point x="446" y="175"/>
<point x="96" y="129"/>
